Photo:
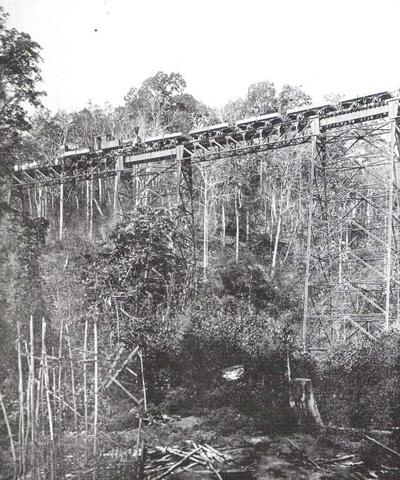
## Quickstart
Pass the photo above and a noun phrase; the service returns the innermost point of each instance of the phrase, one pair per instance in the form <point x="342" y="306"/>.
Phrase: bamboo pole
<point x="96" y="395"/>
<point x="21" y="405"/>
<point x="10" y="436"/>
<point x="143" y="381"/>
<point x="48" y="401"/>
<point x="39" y="418"/>
<point x="118" y="321"/>
<point x="60" y="404"/>
<point x="32" y="394"/>
<point x="54" y="384"/>
<point x="74" y="397"/>
<point x="28" y="397"/>
<point x="85" y="397"/>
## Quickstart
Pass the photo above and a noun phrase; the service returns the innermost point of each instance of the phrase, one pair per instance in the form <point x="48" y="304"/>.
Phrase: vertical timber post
<point x="185" y="192"/>
<point x="393" y="113"/>
<point x="118" y="169"/>
<point x="315" y="130"/>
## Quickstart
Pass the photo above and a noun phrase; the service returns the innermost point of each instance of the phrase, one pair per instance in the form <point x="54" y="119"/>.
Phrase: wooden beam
<point x="360" y="328"/>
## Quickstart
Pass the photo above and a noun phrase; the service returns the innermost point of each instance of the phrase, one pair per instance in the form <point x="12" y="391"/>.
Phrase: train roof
<point x="169" y="136"/>
<point x="210" y="128"/>
<point x="361" y="97"/>
<point x="306" y="108"/>
<point x="261" y="118"/>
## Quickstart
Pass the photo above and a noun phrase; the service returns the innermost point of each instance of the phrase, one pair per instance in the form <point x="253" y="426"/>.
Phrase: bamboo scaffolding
<point x="41" y="403"/>
<point x="126" y="361"/>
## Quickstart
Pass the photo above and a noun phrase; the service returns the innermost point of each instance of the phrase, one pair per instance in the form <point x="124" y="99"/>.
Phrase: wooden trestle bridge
<point x="352" y="270"/>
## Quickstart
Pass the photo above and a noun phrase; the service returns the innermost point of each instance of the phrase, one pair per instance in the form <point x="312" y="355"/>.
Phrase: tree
<point x="161" y="105"/>
<point x="235" y="110"/>
<point x="261" y="98"/>
<point x="47" y="135"/>
<point x="145" y="274"/>
<point x="291" y="97"/>
<point x="19" y="76"/>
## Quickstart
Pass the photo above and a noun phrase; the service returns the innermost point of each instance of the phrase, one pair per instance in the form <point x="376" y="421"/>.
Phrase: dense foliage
<point x="19" y="78"/>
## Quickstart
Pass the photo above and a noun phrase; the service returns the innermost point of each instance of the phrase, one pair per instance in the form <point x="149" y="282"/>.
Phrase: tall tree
<point x="19" y="78"/>
<point x="261" y="98"/>
<point x="161" y="105"/>
<point x="291" y="97"/>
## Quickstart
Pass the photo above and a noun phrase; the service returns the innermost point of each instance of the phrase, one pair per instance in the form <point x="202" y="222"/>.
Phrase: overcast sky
<point x="99" y="49"/>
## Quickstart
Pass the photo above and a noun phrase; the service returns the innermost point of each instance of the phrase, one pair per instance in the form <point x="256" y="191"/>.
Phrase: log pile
<point x="200" y="459"/>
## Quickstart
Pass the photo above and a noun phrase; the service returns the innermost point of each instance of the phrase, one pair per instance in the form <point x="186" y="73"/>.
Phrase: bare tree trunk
<point x="30" y="202"/>
<point x="276" y="245"/>
<point x="237" y="214"/>
<point x="87" y="206"/>
<point x="223" y="234"/>
<point x="91" y="209"/>
<point x="247" y="226"/>
<point x="61" y="227"/>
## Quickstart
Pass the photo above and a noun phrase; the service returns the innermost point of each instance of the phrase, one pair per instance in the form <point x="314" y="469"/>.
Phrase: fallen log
<point x="384" y="447"/>
<point x="336" y="460"/>
<point x="304" y="454"/>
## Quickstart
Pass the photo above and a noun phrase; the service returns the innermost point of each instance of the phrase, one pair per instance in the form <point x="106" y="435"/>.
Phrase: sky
<point x="98" y="49"/>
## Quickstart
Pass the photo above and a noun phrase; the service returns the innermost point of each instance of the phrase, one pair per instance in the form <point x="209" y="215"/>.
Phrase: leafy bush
<point x="361" y="383"/>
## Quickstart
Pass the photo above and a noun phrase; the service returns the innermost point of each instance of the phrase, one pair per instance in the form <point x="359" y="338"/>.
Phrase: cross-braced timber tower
<point x="352" y="271"/>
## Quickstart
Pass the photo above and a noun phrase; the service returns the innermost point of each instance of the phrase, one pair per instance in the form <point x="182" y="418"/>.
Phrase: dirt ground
<point x="269" y="457"/>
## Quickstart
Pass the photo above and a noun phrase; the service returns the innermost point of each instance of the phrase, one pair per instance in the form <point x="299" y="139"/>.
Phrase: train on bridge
<point x="241" y="129"/>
